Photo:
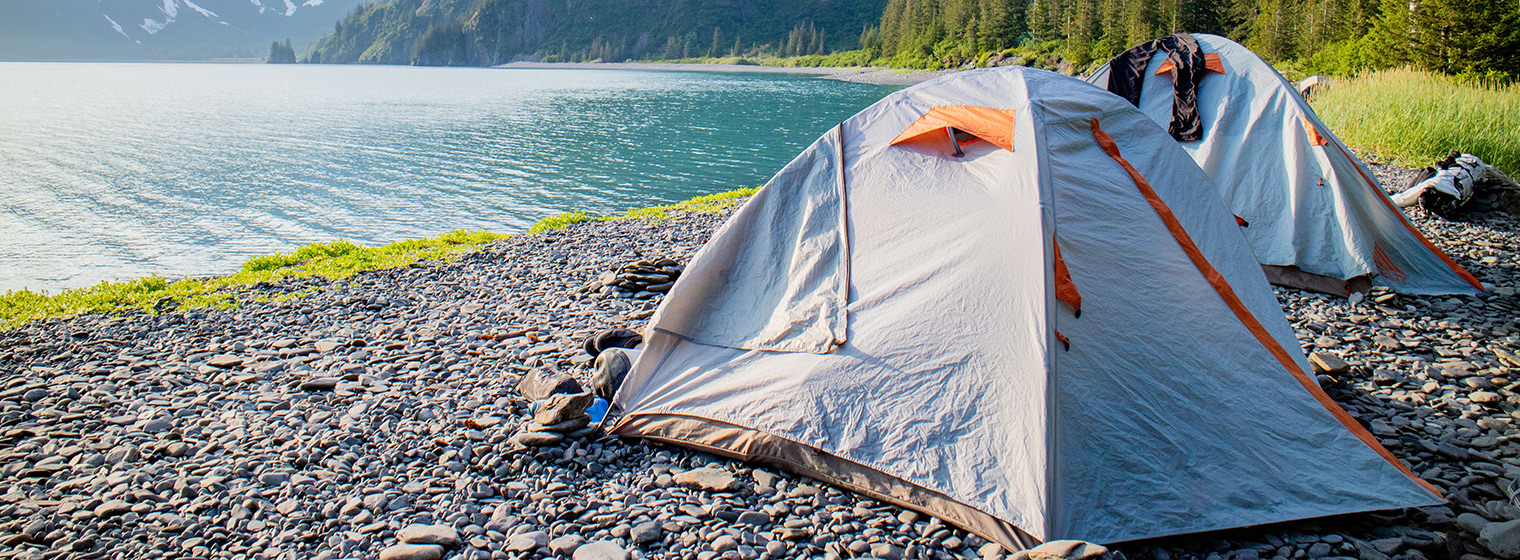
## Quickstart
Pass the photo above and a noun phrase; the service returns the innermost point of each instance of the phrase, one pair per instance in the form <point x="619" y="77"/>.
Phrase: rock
<point x="885" y="551"/>
<point x="1485" y="397"/>
<point x="527" y="542"/>
<point x="1507" y="357"/>
<point x="601" y="550"/>
<point x="561" y="407"/>
<point x="274" y="478"/>
<point x="1066" y="550"/>
<point x="1388" y="377"/>
<point x="764" y="479"/>
<point x="540" y="384"/>
<point x="224" y="361"/>
<point x="712" y="479"/>
<point x="795" y="534"/>
<point x="320" y="383"/>
<point x="990" y="551"/>
<point x="1388" y="546"/>
<point x="753" y="518"/>
<point x="1325" y="362"/>
<point x="566" y="545"/>
<point x="412" y="552"/>
<point x="1503" y="539"/>
<point x="417" y="533"/>
<point x="567" y="426"/>
<point x="288" y="506"/>
<point x="1472" y="523"/>
<point x="483" y="422"/>
<point x="645" y="533"/>
<point x="112" y="508"/>
<point x="539" y="439"/>
<point x="1365" y="551"/>
<point x="723" y="544"/>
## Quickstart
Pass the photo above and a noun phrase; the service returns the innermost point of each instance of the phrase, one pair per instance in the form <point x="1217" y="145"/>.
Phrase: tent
<point x="1313" y="213"/>
<point x="1059" y="333"/>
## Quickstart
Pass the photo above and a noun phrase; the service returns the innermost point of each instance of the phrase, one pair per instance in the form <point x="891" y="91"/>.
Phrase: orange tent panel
<point x="1066" y="290"/>
<point x="1211" y="62"/>
<point x="1315" y="138"/>
<point x="992" y="125"/>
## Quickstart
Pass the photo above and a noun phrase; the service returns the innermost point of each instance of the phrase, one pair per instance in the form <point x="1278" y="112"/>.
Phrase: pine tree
<point x="672" y="48"/>
<point x="1043" y="26"/>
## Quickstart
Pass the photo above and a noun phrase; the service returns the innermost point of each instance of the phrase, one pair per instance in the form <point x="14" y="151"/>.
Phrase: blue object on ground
<point x="598" y="410"/>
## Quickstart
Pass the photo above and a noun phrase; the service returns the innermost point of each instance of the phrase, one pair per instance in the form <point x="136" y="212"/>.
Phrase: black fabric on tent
<point x="1127" y="73"/>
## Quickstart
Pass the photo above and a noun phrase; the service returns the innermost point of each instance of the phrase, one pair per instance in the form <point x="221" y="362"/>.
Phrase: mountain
<point x="488" y="32"/>
<point x="160" y="29"/>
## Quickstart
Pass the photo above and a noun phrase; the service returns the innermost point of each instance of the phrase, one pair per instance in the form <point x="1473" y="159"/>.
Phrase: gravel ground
<point x="326" y="426"/>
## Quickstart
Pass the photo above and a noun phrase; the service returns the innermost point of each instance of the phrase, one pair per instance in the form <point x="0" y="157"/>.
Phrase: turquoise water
<point x="115" y="171"/>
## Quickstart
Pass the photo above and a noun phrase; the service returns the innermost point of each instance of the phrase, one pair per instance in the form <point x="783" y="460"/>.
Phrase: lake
<point x="116" y="171"/>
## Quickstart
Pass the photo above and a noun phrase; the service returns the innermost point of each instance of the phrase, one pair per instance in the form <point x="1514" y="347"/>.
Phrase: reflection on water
<point x="123" y="170"/>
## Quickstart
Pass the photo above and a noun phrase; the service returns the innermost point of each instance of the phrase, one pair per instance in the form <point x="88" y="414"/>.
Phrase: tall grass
<point x="1413" y="117"/>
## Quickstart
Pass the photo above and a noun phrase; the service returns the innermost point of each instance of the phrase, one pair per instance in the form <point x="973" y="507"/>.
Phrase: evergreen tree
<point x="282" y="53"/>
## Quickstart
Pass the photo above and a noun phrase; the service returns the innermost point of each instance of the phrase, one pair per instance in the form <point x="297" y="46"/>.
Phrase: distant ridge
<point x="491" y="32"/>
<point x="161" y="29"/>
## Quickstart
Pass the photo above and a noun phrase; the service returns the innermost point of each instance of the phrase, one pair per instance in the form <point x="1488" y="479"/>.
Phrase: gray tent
<point x="1059" y="333"/>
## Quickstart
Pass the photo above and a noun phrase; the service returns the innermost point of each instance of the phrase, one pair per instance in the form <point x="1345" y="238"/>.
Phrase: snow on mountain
<point x="161" y="29"/>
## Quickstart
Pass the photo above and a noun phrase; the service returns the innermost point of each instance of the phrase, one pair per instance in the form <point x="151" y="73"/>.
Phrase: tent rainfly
<point x="1059" y="333"/>
<point x="1313" y="213"/>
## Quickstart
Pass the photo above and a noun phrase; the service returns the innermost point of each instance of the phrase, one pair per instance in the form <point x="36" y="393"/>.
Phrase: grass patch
<point x="846" y="59"/>
<point x="562" y="221"/>
<point x="1413" y="117"/>
<point x="707" y="204"/>
<point x="337" y="260"/>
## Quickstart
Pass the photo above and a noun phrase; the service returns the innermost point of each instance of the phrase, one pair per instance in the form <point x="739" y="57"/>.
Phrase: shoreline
<point x="322" y="425"/>
<point x="861" y="75"/>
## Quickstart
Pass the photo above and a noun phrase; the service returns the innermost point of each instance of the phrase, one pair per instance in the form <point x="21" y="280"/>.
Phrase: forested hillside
<point x="1464" y="37"/>
<point x="1330" y="36"/>
<point x="486" y="32"/>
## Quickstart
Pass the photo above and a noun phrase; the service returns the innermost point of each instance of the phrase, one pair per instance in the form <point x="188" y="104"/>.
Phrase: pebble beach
<point x="374" y="418"/>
